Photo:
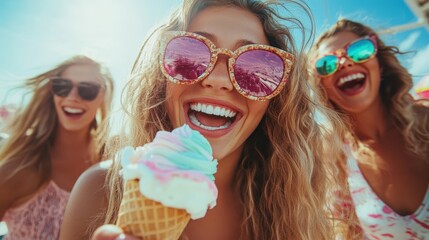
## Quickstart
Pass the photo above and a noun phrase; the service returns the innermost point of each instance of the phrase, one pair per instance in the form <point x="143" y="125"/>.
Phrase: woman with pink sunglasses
<point x="229" y="69"/>
<point x="387" y="164"/>
<point x="52" y="140"/>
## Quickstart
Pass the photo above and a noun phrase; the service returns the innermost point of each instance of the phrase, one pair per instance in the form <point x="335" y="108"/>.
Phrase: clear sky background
<point x="37" y="35"/>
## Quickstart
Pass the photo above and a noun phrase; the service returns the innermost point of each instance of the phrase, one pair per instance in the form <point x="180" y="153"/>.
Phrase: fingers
<point x="111" y="232"/>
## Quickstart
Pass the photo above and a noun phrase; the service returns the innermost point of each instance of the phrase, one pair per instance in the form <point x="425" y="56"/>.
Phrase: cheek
<point x="97" y="104"/>
<point x="57" y="102"/>
<point x="169" y="90"/>
<point x="258" y="108"/>
<point x="169" y="93"/>
<point x="172" y="96"/>
<point x="329" y="91"/>
<point x="173" y="90"/>
<point x="374" y="68"/>
<point x="99" y="101"/>
<point x="328" y="85"/>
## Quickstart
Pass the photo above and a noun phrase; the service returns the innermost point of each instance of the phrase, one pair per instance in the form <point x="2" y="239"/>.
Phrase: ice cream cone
<point x="148" y="219"/>
<point x="167" y="182"/>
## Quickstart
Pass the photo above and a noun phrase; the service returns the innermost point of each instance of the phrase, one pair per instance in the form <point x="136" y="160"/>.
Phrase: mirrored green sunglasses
<point x="358" y="51"/>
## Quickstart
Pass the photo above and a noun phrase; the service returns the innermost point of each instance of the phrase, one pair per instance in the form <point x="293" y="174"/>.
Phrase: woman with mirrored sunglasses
<point x="229" y="69"/>
<point x="387" y="142"/>
<point x="52" y="140"/>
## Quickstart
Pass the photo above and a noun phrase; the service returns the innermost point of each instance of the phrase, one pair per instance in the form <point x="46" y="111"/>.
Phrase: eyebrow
<point x="213" y="38"/>
<point x="97" y="81"/>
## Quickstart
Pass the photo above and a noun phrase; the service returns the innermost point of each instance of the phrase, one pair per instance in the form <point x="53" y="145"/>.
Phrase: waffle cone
<point x="148" y="219"/>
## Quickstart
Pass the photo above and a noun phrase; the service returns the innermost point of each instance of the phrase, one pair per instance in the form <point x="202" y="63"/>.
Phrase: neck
<point x="371" y="124"/>
<point x="72" y="145"/>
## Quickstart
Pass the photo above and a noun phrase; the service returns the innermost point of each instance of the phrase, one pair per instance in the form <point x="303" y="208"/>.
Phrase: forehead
<point x="82" y="73"/>
<point x="229" y="24"/>
<point x="338" y="41"/>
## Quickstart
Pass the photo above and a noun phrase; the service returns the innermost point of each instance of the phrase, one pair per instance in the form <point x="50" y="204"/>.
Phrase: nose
<point x="345" y="62"/>
<point x="219" y="79"/>
<point x="73" y="94"/>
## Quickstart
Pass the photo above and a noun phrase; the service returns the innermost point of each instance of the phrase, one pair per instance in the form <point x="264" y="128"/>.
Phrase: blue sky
<point x="36" y="35"/>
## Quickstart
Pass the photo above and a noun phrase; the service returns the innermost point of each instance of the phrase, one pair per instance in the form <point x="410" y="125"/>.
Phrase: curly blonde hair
<point x="286" y="173"/>
<point x="32" y="130"/>
<point x="411" y="118"/>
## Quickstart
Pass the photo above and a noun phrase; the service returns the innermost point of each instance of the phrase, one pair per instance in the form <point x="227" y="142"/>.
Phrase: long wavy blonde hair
<point x="285" y="173"/>
<point x="411" y="118"/>
<point x="32" y="130"/>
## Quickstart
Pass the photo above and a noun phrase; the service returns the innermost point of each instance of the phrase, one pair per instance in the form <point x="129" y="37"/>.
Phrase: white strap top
<point x="377" y="219"/>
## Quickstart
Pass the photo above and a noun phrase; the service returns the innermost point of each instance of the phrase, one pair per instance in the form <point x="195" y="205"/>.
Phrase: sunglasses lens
<point x="61" y="87"/>
<point x="361" y="50"/>
<point x="186" y="58"/>
<point x="327" y="65"/>
<point x="88" y="91"/>
<point x="258" y="72"/>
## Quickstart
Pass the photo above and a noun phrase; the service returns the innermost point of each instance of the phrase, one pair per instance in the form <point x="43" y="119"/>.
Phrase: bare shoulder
<point x="87" y="203"/>
<point x="16" y="189"/>
<point x="93" y="178"/>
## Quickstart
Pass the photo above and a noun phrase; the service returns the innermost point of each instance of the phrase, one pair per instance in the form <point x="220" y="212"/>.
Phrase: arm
<point x="17" y="189"/>
<point x="88" y="200"/>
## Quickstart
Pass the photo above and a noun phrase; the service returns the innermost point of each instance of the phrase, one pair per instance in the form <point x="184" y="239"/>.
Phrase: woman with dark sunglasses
<point x="52" y="140"/>
<point x="387" y="163"/>
<point x="229" y="69"/>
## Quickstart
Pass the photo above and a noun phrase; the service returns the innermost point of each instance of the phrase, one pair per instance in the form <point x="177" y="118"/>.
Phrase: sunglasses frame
<point x="99" y="86"/>
<point x="342" y="53"/>
<point x="288" y="62"/>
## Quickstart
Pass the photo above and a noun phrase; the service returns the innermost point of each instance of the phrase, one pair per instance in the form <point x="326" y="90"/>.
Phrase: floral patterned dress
<point x="40" y="217"/>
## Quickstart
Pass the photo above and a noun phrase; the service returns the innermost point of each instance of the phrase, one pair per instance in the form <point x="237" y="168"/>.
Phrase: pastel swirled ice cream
<point x="175" y="169"/>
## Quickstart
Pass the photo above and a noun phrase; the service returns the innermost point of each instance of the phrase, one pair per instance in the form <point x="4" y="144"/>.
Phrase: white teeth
<point x="213" y="110"/>
<point x="216" y="111"/>
<point x="195" y="121"/>
<point x="73" y="110"/>
<point x="350" y="78"/>
<point x="209" y="109"/>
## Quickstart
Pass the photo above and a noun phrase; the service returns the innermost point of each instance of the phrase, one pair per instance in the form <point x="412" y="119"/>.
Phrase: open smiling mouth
<point x="352" y="83"/>
<point x="211" y="117"/>
<point x="73" y="112"/>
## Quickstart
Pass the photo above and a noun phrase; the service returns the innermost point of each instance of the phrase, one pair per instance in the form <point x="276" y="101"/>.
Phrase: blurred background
<point x="37" y="35"/>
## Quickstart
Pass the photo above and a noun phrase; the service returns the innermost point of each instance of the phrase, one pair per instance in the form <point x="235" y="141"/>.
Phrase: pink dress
<point x="378" y="220"/>
<point x="40" y="217"/>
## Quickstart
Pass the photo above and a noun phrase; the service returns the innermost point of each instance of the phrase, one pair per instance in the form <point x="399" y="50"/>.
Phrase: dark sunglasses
<point x="359" y="51"/>
<point x="86" y="90"/>
<point x="257" y="71"/>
